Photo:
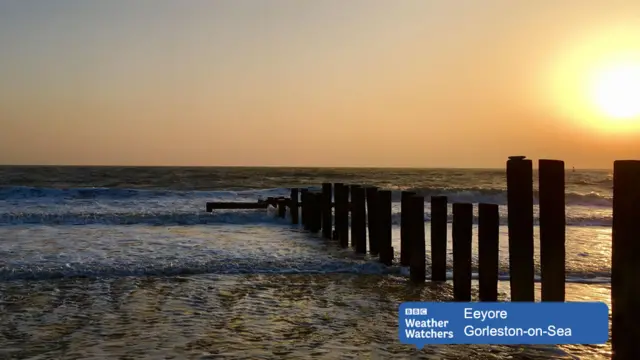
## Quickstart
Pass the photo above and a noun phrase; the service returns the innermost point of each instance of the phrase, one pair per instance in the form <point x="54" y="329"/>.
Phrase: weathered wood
<point x="282" y="208"/>
<point x="235" y="205"/>
<point x="488" y="251"/>
<point x="439" y="238"/>
<point x="520" y="223"/>
<point x="306" y="208"/>
<point x="327" y="217"/>
<point x="371" y="193"/>
<point x="337" y="195"/>
<point x="462" y="241"/>
<point x="405" y="250"/>
<point x="358" y="221"/>
<point x="354" y="215"/>
<point x="342" y="214"/>
<point x="316" y="211"/>
<point x="384" y="230"/>
<point x="625" y="268"/>
<point x="293" y="206"/>
<point x="552" y="229"/>
<point x="415" y="237"/>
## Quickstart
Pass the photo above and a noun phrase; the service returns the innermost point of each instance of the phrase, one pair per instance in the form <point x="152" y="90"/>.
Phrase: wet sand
<point x="334" y="316"/>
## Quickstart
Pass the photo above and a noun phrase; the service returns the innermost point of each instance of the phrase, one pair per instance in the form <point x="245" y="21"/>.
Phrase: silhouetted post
<point x="520" y="217"/>
<point x="552" y="229"/>
<point x="342" y="214"/>
<point x="625" y="268"/>
<point x="337" y="208"/>
<point x="462" y="237"/>
<point x="372" y="223"/>
<point x="327" y="217"/>
<point x="439" y="238"/>
<point x="385" y="245"/>
<point x="282" y="208"/>
<point x="316" y="211"/>
<point x="405" y="248"/>
<point x="354" y="215"/>
<point x="293" y="205"/>
<point x="358" y="220"/>
<point x="488" y="250"/>
<point x="415" y="238"/>
<point x="304" y="212"/>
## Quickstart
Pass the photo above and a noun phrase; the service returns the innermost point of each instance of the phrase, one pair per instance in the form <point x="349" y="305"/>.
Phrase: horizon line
<point x="288" y="166"/>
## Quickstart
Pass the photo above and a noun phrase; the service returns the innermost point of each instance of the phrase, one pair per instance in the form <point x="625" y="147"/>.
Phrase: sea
<point x="125" y="263"/>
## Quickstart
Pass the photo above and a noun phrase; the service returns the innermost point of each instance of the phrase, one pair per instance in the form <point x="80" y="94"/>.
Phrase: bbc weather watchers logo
<point x="422" y="323"/>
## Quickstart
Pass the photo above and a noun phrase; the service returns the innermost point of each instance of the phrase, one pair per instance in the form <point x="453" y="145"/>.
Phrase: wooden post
<point x="625" y="268"/>
<point x="316" y="211"/>
<point x="282" y="208"/>
<point x="342" y="214"/>
<point x="439" y="238"/>
<point x="520" y="217"/>
<point x="415" y="228"/>
<point x="293" y="206"/>
<point x="385" y="245"/>
<point x="304" y="212"/>
<point x="337" y="209"/>
<point x="405" y="248"/>
<point x="372" y="215"/>
<point x="327" y="220"/>
<point x="552" y="229"/>
<point x="462" y="237"/>
<point x="358" y="219"/>
<point x="488" y="250"/>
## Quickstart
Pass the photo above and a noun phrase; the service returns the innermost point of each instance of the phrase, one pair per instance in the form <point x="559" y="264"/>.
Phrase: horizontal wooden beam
<point x="249" y="205"/>
<point x="236" y="205"/>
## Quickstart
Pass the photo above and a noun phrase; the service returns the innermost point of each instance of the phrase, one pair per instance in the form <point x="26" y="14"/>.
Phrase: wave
<point x="37" y="272"/>
<point x="217" y="217"/>
<point x="26" y="192"/>
<point x="499" y="196"/>
<point x="218" y="267"/>
<point x="472" y="195"/>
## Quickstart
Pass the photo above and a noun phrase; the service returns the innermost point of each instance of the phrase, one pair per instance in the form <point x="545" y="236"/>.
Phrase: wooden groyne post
<point x="304" y="211"/>
<point x="315" y="209"/>
<point x="552" y="229"/>
<point x="488" y="251"/>
<point x="371" y="193"/>
<point x="438" y="238"/>
<point x="625" y="268"/>
<point x="358" y="219"/>
<point x="282" y="207"/>
<point x="462" y="237"/>
<point x="385" y="245"/>
<point x="293" y="206"/>
<point x="415" y="228"/>
<point x="520" y="218"/>
<point x="327" y="210"/>
<point x="342" y="214"/>
<point x="405" y="256"/>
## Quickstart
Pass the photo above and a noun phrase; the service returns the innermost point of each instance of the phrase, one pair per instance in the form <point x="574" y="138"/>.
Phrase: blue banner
<point x="425" y="323"/>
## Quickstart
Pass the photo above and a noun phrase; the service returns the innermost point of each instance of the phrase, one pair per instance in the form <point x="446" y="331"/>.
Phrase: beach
<point x="123" y="262"/>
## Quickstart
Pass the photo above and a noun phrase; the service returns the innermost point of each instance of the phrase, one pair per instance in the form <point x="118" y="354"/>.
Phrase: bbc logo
<point x="415" y="311"/>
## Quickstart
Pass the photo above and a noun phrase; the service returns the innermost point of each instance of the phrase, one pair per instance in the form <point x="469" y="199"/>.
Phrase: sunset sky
<point x="424" y="83"/>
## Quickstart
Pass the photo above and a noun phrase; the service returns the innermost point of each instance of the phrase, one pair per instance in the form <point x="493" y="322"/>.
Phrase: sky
<point x="382" y="83"/>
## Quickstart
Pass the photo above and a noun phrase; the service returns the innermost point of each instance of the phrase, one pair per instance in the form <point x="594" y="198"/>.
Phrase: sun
<point x="615" y="91"/>
<point x="592" y="80"/>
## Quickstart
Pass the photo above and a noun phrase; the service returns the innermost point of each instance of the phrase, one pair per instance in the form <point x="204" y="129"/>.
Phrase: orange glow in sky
<point x="408" y="83"/>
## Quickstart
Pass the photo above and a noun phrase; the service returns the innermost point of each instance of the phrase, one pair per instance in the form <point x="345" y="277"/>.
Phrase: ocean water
<point x="124" y="262"/>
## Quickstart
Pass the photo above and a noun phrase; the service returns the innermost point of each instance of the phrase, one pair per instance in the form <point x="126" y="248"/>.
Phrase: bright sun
<point x="594" y="80"/>
<point x="616" y="91"/>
